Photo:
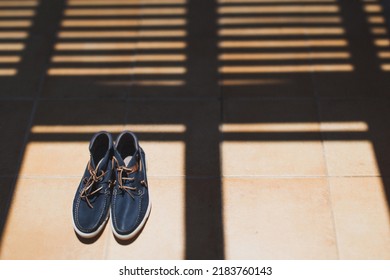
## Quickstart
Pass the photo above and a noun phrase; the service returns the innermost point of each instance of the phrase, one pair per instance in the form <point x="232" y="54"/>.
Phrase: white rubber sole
<point x="137" y="230"/>
<point x="90" y="234"/>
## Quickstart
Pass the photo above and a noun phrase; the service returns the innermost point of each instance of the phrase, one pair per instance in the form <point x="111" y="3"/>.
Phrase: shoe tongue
<point x="119" y="159"/>
<point x="132" y="161"/>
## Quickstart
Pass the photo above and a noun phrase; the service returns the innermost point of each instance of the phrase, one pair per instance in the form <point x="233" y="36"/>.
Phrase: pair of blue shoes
<point x="114" y="183"/>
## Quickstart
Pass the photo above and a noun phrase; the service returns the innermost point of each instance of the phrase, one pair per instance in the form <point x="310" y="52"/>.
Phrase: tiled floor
<point x="266" y="125"/>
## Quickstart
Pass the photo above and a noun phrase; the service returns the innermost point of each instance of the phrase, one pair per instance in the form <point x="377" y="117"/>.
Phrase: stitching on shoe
<point x="113" y="205"/>
<point x="77" y="218"/>
<point x="139" y="210"/>
<point x="76" y="211"/>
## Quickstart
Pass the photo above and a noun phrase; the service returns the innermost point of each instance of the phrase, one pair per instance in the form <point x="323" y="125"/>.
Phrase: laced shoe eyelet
<point x="93" y="192"/>
<point x="129" y="172"/>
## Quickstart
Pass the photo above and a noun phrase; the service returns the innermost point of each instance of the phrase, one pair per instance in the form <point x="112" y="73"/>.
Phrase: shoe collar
<point x="104" y="160"/>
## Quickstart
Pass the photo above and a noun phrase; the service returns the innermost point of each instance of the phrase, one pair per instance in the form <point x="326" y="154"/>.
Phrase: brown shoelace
<point x="128" y="170"/>
<point x="90" y="181"/>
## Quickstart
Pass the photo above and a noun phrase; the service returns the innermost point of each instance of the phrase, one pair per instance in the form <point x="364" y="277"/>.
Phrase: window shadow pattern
<point x="229" y="62"/>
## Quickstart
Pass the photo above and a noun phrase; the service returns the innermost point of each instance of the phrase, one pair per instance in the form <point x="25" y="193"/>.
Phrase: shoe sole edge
<point x="137" y="230"/>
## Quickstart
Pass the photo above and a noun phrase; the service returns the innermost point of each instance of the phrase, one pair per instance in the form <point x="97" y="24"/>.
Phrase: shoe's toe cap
<point x="89" y="219"/>
<point x="128" y="213"/>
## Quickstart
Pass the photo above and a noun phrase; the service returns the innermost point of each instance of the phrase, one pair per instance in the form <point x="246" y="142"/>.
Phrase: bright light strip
<point x="119" y="46"/>
<point x="17" y="13"/>
<point x="378" y="30"/>
<point x="125" y="12"/>
<point x="275" y="1"/>
<point x="16" y="3"/>
<point x="272" y="20"/>
<point x="13" y="35"/>
<point x="122" y="34"/>
<point x="252" y="82"/>
<point x="151" y="83"/>
<point x="372" y="8"/>
<point x="128" y="22"/>
<point x="283" y="56"/>
<point x="281" y="31"/>
<point x="11" y="47"/>
<point x="283" y="43"/>
<point x="286" y="68"/>
<point x="295" y="127"/>
<point x="384" y="54"/>
<point x="119" y="58"/>
<point x="278" y="9"/>
<point x="376" y="19"/>
<point x="15" y="23"/>
<point x="116" y="71"/>
<point x="8" y="72"/>
<point x="124" y="2"/>
<point x="151" y="128"/>
<point x="382" y="42"/>
<point x="9" y="59"/>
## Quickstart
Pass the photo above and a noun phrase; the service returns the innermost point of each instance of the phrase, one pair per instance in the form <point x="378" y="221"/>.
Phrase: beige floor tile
<point x="165" y="159"/>
<point x="356" y="131"/>
<point x="270" y="137"/>
<point x="55" y="159"/>
<point x="358" y="158"/>
<point x="39" y="225"/>
<point x="59" y="139"/>
<point x="163" y="236"/>
<point x="272" y="159"/>
<point x="278" y="219"/>
<point x="361" y="218"/>
<point x="14" y="119"/>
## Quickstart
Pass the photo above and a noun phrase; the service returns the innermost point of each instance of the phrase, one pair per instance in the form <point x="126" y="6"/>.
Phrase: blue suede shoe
<point x="91" y="203"/>
<point x="130" y="204"/>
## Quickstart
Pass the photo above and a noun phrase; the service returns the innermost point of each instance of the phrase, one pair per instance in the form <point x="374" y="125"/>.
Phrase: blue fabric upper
<point x="128" y="211"/>
<point x="88" y="219"/>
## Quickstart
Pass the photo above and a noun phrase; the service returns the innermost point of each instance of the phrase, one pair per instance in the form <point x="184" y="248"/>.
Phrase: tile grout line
<point x="317" y="100"/>
<point x="328" y="177"/>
